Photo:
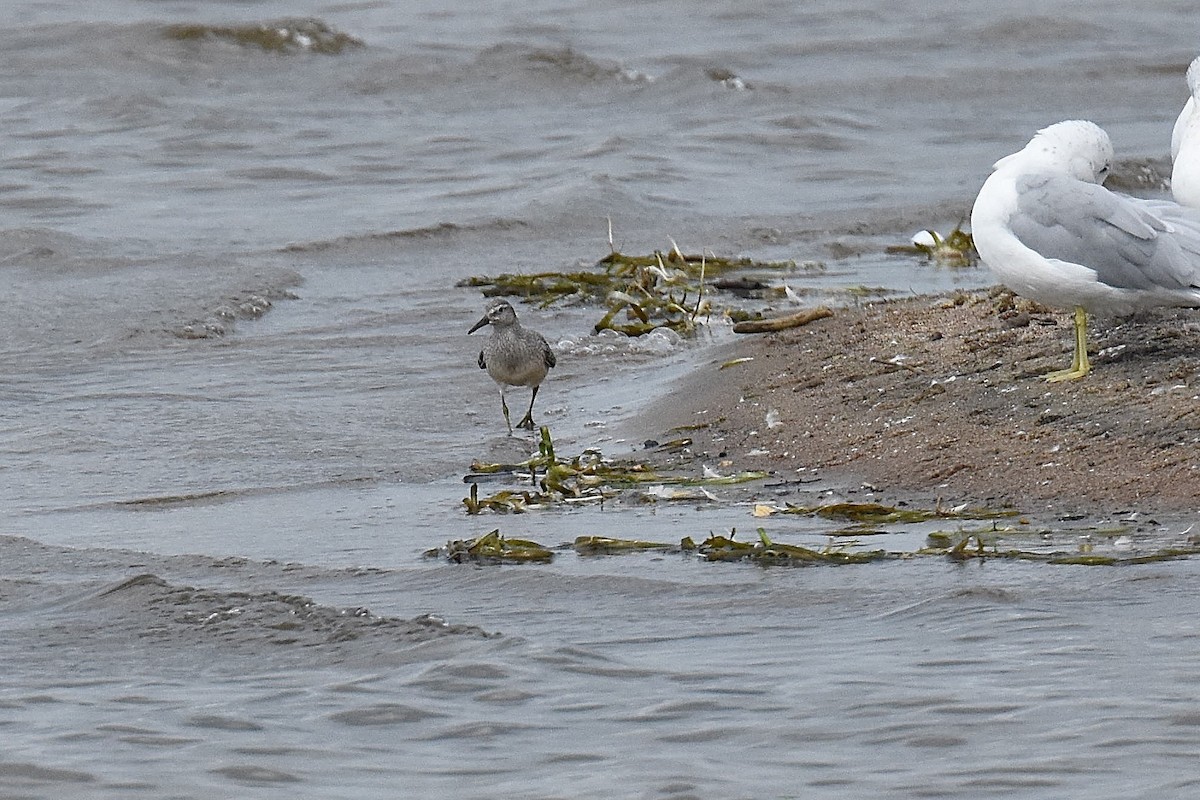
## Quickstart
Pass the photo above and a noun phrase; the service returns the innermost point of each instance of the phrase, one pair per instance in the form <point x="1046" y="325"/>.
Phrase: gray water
<point x="238" y="402"/>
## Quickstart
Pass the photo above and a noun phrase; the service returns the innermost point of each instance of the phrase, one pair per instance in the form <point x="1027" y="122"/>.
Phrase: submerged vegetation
<point x="588" y="476"/>
<point x="547" y="479"/>
<point x="283" y="36"/>
<point x="640" y="293"/>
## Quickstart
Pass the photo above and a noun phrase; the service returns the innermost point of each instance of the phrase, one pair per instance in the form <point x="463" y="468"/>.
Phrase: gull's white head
<point x="1193" y="76"/>
<point x="1076" y="147"/>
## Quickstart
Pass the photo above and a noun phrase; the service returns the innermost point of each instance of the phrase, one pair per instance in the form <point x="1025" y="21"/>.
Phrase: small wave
<point x="438" y="231"/>
<point x="35" y="773"/>
<point x="248" y="304"/>
<point x="137" y="581"/>
<point x="46" y="248"/>
<point x="222" y="723"/>
<point x="560" y="64"/>
<point x="282" y="174"/>
<point x="176" y="615"/>
<point x="483" y="730"/>
<point x="287" y="36"/>
<point x="659" y="341"/>
<point x="954" y="603"/>
<point x="1026" y="30"/>
<point x="384" y="714"/>
<point x="728" y="79"/>
<point x="254" y="775"/>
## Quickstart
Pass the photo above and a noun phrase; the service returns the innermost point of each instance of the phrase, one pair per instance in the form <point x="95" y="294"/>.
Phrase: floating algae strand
<point x="492" y="548"/>
<point x="605" y="545"/>
<point x="503" y="502"/>
<point x="681" y="443"/>
<point x="767" y="552"/>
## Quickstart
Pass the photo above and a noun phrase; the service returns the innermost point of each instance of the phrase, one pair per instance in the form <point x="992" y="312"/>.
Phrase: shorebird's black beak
<point x="480" y="324"/>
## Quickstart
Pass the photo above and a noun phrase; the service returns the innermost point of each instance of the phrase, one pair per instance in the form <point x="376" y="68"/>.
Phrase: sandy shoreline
<point x="942" y="396"/>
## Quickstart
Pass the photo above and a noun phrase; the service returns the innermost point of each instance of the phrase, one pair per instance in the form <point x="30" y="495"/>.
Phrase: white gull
<point x="1185" y="145"/>
<point x="1051" y="232"/>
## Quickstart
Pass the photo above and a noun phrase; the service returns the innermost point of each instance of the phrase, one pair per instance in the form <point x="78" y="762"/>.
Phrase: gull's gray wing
<point x="1130" y="243"/>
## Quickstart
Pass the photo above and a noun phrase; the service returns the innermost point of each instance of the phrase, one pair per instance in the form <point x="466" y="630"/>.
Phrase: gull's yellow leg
<point x="1079" y="364"/>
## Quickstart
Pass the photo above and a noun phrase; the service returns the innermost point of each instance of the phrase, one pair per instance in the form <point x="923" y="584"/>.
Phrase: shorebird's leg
<point x="1080" y="365"/>
<point x="504" y="408"/>
<point x="527" y="421"/>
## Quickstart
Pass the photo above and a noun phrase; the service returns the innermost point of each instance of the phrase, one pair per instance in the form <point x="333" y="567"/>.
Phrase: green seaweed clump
<point x="492" y="548"/>
<point x="879" y="514"/>
<point x="503" y="502"/>
<point x="284" y="36"/>
<point x="956" y="250"/>
<point x="641" y="293"/>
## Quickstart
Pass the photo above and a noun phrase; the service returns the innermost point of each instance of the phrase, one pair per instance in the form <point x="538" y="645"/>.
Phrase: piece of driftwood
<point x="783" y="323"/>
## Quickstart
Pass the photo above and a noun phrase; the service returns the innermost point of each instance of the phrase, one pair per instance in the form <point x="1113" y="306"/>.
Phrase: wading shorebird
<point x="514" y="356"/>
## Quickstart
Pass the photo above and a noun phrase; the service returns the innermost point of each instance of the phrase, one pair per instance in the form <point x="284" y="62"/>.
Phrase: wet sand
<point x="943" y="397"/>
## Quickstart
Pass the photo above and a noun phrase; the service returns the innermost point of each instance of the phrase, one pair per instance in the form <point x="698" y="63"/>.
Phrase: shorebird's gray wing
<point x="482" y="361"/>
<point x="1131" y="244"/>
<point x="548" y="354"/>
